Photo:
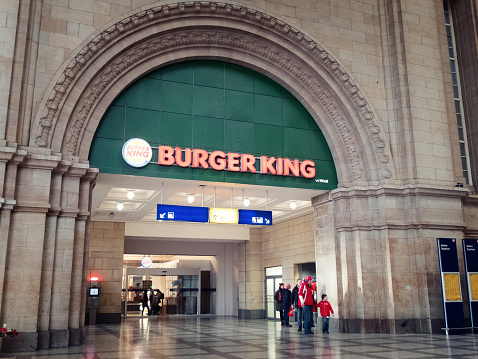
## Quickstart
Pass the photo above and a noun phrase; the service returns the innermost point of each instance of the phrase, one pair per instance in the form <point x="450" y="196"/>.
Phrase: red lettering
<point x="267" y="165"/>
<point x="146" y="154"/>
<point x="293" y="167"/>
<point x="233" y="161"/>
<point x="280" y="166"/>
<point x="307" y="169"/>
<point x="247" y="163"/>
<point x="166" y="155"/>
<point x="217" y="160"/>
<point x="200" y="158"/>
<point x="179" y="157"/>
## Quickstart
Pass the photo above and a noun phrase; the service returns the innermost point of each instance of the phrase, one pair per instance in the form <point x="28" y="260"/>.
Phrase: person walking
<point x="307" y="300"/>
<point x="278" y="302"/>
<point x="325" y="310"/>
<point x="295" y="303"/>
<point x="286" y="303"/>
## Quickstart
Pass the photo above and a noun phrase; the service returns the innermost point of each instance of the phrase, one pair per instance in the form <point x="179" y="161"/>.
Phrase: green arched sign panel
<point x="214" y="106"/>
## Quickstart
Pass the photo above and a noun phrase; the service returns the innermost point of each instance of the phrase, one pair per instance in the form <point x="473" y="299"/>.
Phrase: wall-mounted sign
<point x="137" y="152"/>
<point x="146" y="262"/>
<point x="257" y="218"/>
<point x="223" y="215"/>
<point x="167" y="212"/>
<point x="235" y="162"/>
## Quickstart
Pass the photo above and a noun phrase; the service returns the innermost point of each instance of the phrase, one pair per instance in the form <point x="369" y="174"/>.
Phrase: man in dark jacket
<point x="286" y="303"/>
<point x="278" y="301"/>
<point x="295" y="301"/>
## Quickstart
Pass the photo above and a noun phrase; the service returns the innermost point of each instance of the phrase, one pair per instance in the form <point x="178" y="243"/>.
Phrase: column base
<point x="74" y="337"/>
<point x="24" y="342"/>
<point x="251" y="314"/>
<point x="397" y="326"/>
<point x="43" y="339"/>
<point x="59" y="338"/>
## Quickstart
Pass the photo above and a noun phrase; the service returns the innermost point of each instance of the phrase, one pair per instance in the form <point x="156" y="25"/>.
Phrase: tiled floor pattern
<point x="231" y="338"/>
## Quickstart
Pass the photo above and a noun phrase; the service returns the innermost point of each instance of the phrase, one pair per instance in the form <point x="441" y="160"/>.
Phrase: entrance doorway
<point x="273" y="278"/>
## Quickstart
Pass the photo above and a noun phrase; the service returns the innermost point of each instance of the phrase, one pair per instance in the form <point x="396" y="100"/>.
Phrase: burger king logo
<point x="137" y="152"/>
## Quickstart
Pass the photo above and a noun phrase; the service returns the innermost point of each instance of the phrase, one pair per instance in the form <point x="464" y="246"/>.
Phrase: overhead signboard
<point x="223" y="215"/>
<point x="257" y="218"/>
<point x="167" y="212"/>
<point x="451" y="289"/>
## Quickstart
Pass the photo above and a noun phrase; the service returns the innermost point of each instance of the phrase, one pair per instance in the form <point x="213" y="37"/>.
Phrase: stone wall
<point x="285" y="244"/>
<point x="106" y="262"/>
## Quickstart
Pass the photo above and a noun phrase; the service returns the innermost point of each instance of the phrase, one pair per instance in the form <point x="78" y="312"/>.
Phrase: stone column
<point x="75" y="320"/>
<point x="22" y="280"/>
<point x="9" y="160"/>
<point x="67" y="247"/>
<point x="383" y="250"/>
<point x="48" y="259"/>
<point x="251" y="278"/>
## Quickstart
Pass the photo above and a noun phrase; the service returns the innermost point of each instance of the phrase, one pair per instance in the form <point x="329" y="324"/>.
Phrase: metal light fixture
<point x="190" y="198"/>
<point x="130" y="194"/>
<point x="293" y="205"/>
<point x="120" y="206"/>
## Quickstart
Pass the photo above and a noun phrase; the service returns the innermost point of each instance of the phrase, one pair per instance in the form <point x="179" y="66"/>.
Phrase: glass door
<point x="273" y="278"/>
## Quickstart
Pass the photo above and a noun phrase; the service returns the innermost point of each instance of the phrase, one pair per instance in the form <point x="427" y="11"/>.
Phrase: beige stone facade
<point x="375" y="76"/>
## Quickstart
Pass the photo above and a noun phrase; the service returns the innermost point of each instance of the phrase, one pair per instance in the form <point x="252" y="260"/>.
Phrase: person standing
<point x="325" y="310"/>
<point x="306" y="296"/>
<point x="295" y="300"/>
<point x="286" y="303"/>
<point x="278" y="302"/>
<point x="145" y="302"/>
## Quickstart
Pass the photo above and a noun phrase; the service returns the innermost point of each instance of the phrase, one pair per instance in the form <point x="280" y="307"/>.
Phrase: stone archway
<point x="160" y="35"/>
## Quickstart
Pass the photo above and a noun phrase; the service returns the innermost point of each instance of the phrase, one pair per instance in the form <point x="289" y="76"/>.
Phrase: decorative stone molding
<point x="249" y="43"/>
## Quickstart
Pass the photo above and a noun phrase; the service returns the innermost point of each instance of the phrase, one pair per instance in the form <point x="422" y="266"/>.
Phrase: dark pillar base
<point x="82" y="335"/>
<point x="59" y="338"/>
<point x="74" y="337"/>
<point x="397" y="326"/>
<point x="251" y="314"/>
<point x="43" y="339"/>
<point x="24" y="342"/>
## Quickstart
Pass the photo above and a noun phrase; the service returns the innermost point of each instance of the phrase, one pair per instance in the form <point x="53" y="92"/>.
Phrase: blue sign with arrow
<point x="166" y="212"/>
<point x="252" y="217"/>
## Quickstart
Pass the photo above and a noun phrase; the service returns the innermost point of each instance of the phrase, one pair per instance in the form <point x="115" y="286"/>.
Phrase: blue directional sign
<point x="470" y="252"/>
<point x="252" y="217"/>
<point x="167" y="212"/>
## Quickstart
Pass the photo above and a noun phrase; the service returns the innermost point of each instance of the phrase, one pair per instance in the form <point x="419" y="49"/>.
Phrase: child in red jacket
<point x="325" y="310"/>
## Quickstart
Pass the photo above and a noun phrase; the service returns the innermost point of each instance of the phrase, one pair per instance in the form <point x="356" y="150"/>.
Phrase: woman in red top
<point x="325" y="310"/>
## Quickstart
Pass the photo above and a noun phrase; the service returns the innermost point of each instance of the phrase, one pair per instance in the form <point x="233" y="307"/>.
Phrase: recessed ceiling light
<point x="293" y="205"/>
<point x="120" y="206"/>
<point x="130" y="194"/>
<point x="247" y="202"/>
<point x="190" y="198"/>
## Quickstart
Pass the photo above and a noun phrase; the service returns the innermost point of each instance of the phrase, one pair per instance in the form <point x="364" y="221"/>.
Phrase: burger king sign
<point x="137" y="152"/>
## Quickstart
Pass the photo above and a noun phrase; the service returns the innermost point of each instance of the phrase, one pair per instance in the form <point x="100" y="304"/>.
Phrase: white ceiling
<point x="111" y="189"/>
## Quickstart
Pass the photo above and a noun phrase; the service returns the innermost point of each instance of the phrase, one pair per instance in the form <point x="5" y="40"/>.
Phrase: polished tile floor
<point x="231" y="338"/>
